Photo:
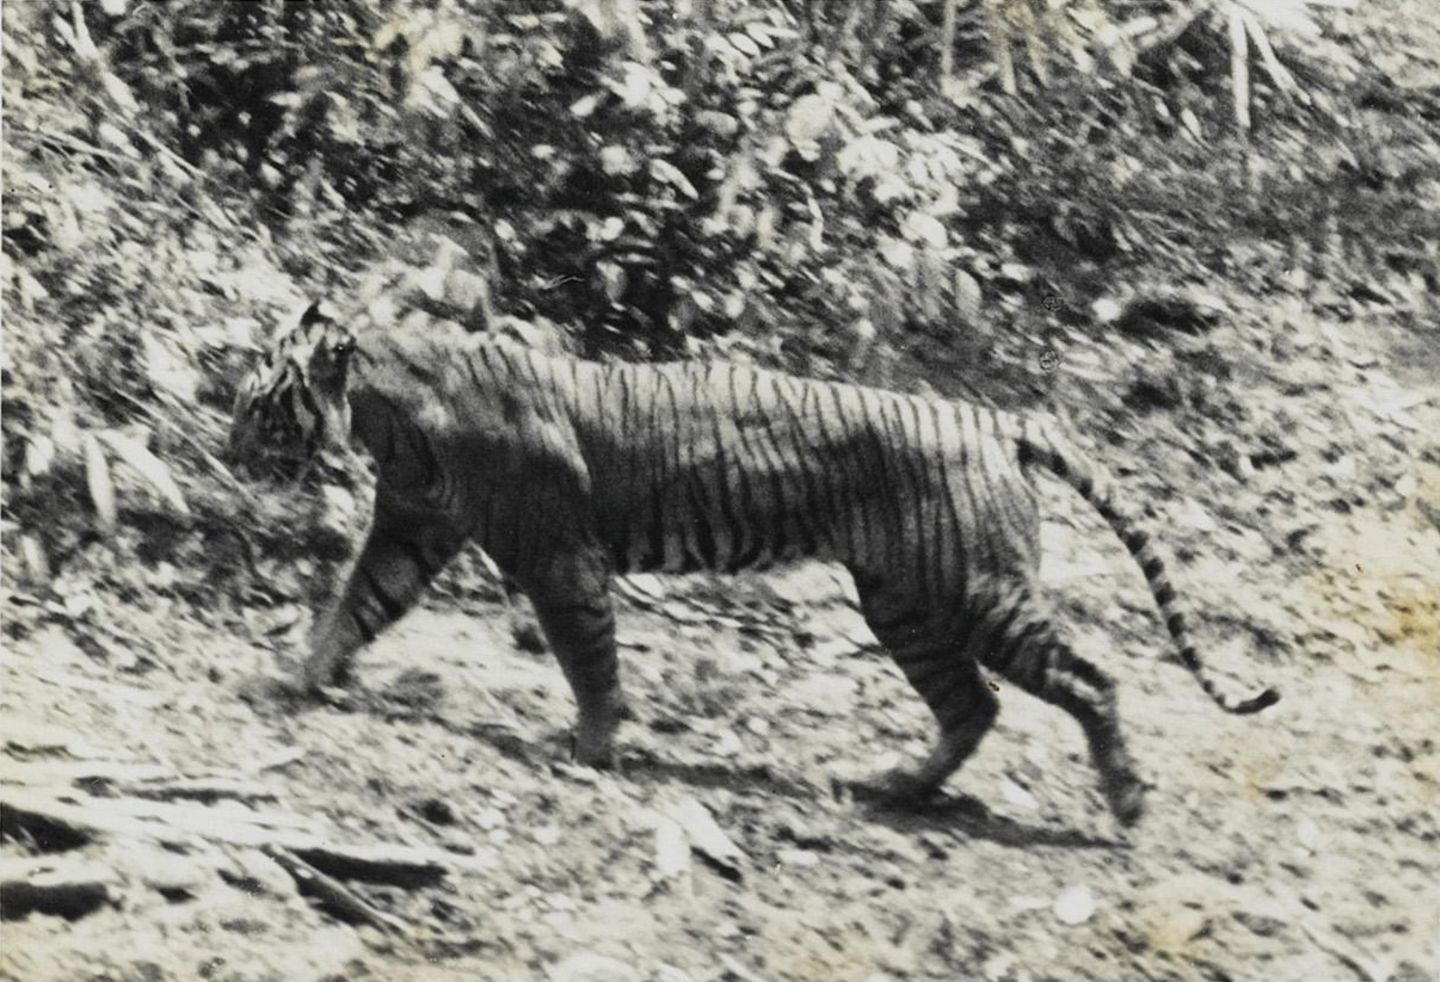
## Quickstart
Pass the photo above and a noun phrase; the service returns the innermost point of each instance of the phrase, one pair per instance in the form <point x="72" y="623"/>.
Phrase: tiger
<point x="569" y="472"/>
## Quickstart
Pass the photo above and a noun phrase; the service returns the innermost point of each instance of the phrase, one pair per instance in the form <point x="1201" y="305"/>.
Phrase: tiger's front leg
<point x="401" y="555"/>
<point x="571" y="596"/>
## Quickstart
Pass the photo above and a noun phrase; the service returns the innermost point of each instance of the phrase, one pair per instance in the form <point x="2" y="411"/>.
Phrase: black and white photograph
<point x="720" y="490"/>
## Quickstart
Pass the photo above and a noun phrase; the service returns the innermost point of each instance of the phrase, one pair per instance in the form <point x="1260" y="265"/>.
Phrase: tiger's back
<point x="693" y="466"/>
<point x="568" y="472"/>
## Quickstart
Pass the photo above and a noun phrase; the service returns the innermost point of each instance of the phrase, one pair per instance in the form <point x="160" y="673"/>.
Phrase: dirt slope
<point x="1300" y="844"/>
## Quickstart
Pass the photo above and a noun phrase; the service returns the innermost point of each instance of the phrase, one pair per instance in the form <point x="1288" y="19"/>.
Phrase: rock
<point x="586" y="966"/>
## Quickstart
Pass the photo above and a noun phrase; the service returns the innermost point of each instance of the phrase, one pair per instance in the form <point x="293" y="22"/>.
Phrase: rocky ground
<point x="158" y="821"/>
<point x="435" y="829"/>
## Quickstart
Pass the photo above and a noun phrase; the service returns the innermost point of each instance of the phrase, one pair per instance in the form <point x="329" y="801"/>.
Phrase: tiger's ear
<point x="318" y="312"/>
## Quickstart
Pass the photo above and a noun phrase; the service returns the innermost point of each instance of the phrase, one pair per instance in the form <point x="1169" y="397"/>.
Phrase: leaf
<point x="150" y="467"/>
<point x="97" y="479"/>
<point x="867" y="156"/>
<point x="111" y="135"/>
<point x="968" y="298"/>
<point x="764" y="36"/>
<point x="635" y="90"/>
<point x="809" y="118"/>
<point x="35" y="564"/>
<point x="119" y="94"/>
<point x="168" y="371"/>
<point x="1239" y="69"/>
<point x="744" y="44"/>
<point x="705" y="835"/>
<point x="663" y="170"/>
<point x="39" y="455"/>
<point x="721" y="124"/>
<point x="925" y="229"/>
<point x="897" y="252"/>
<point x="616" y="160"/>
<point x="584" y="106"/>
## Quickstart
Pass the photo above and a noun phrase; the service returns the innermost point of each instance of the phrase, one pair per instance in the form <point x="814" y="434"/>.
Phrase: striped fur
<point x="292" y="406"/>
<point x="568" y="472"/>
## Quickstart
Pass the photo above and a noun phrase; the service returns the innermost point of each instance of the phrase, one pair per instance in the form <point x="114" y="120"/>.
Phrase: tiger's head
<point x="292" y="406"/>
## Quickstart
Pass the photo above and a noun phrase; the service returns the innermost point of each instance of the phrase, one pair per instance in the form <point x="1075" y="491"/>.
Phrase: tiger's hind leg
<point x="1026" y="647"/>
<point x="571" y="596"/>
<point x="401" y="555"/>
<point x="963" y="705"/>
<point x="946" y="676"/>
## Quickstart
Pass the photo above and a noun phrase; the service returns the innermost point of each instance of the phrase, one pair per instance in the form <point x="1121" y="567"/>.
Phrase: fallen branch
<point x="82" y="818"/>
<point x="333" y="896"/>
<point x="205" y="790"/>
<point x="65" y="887"/>
<point x="400" y="866"/>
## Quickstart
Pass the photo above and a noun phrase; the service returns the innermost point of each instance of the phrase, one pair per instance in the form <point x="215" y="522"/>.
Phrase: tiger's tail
<point x="1038" y="442"/>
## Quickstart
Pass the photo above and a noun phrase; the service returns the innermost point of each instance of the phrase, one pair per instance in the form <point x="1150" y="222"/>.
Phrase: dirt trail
<point x="1300" y="844"/>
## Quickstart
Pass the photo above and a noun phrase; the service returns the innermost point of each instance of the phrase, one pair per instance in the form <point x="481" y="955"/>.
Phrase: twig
<point x="947" y="47"/>
<point x="1240" y="70"/>
<point x="333" y="896"/>
<point x="1351" y="961"/>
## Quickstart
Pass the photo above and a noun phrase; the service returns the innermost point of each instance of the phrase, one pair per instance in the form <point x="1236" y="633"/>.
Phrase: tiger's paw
<point x="907" y="789"/>
<point x="286" y="692"/>
<point x="592" y="751"/>
<point x="267" y="690"/>
<point x="896" y="788"/>
<point x="1125" y="794"/>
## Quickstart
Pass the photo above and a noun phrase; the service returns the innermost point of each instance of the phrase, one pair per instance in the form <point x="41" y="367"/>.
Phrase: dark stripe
<point x="801" y="514"/>
<point x="700" y="523"/>
<point x="743" y="548"/>
<point x="722" y="491"/>
<point x="392" y="607"/>
<point x="764" y="475"/>
<point x="942" y="554"/>
<point x="671" y="447"/>
<point x="778" y="468"/>
<point x="830" y="515"/>
<point x="846" y="476"/>
<point x="882" y="491"/>
<point x="897" y="551"/>
<point x="658" y="489"/>
<point x="367" y="633"/>
<point x="415" y="368"/>
<point x="908" y="445"/>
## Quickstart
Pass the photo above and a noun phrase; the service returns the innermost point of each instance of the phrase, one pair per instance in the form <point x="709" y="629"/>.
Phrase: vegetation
<point x="820" y="185"/>
<point x="1015" y="201"/>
